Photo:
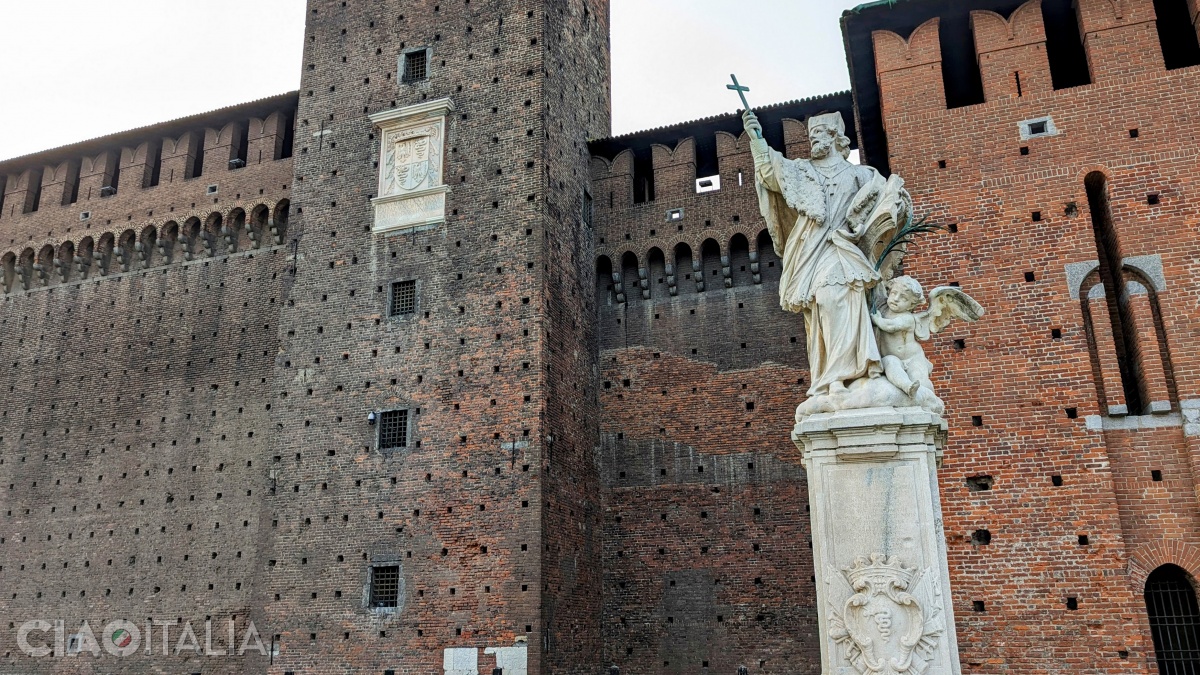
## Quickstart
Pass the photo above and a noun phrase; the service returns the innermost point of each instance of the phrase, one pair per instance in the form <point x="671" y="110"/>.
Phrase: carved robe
<point x="825" y="275"/>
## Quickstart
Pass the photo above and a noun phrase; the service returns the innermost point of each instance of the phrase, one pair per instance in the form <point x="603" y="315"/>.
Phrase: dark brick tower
<point x="488" y="507"/>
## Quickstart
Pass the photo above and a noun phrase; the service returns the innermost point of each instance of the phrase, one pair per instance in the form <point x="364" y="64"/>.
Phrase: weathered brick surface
<point x="600" y="461"/>
<point x="707" y="557"/>
<point x="493" y="515"/>
<point x="135" y="412"/>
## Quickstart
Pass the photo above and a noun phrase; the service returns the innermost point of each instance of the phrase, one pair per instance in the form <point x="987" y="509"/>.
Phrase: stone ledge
<point x="871" y="433"/>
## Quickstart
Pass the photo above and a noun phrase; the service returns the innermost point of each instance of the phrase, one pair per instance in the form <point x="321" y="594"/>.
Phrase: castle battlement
<point x="232" y="151"/>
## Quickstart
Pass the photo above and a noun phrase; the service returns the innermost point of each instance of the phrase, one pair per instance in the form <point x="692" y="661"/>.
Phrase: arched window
<point x="1174" y="621"/>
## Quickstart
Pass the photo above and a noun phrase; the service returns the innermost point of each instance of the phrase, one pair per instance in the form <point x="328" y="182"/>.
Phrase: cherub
<point x="899" y="329"/>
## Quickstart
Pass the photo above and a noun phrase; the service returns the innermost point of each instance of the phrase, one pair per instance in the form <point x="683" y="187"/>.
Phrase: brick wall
<point x="707" y="558"/>
<point x="135" y="411"/>
<point x="1020" y="387"/>
<point x="491" y="510"/>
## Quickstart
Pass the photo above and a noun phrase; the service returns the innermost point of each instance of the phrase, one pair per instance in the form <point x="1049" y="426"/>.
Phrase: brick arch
<point x="64" y="261"/>
<point x="1082" y="174"/>
<point x="83" y="257"/>
<point x="8" y="272"/>
<point x="278" y="224"/>
<point x="256" y="225"/>
<point x="231" y="231"/>
<point x="45" y="265"/>
<point x="25" y="263"/>
<point x="146" y="247"/>
<point x="190" y="236"/>
<point x="1150" y="556"/>
<point x="656" y="272"/>
<point x="102" y="254"/>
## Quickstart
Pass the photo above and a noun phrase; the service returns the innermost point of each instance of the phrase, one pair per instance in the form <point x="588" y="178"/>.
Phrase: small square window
<point x="404" y="298"/>
<point x="393" y="429"/>
<point x="416" y="65"/>
<point x="1042" y="126"/>
<point x="385" y="586"/>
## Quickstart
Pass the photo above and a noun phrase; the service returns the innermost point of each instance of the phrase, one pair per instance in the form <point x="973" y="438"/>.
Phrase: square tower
<point x="434" y="499"/>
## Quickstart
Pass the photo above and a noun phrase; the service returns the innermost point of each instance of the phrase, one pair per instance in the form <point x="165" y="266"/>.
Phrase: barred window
<point x="385" y="586"/>
<point x="393" y="429"/>
<point x="416" y="65"/>
<point x="404" y="298"/>
<point x="1174" y="621"/>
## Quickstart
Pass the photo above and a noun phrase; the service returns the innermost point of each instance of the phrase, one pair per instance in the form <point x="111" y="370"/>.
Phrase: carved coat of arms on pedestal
<point x="884" y="627"/>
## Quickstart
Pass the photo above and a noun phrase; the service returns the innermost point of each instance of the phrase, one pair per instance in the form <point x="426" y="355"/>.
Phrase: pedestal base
<point x="879" y="551"/>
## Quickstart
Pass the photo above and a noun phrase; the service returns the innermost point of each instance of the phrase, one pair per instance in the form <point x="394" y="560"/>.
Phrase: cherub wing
<point x="892" y="212"/>
<point x="947" y="303"/>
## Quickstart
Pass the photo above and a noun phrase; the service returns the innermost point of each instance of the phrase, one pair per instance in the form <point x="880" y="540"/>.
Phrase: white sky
<point x="78" y="69"/>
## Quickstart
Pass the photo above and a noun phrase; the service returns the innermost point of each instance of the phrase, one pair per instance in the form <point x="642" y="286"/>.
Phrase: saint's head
<point x="827" y="132"/>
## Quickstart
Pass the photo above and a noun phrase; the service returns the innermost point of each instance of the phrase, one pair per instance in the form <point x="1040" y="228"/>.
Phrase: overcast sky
<point x="77" y="69"/>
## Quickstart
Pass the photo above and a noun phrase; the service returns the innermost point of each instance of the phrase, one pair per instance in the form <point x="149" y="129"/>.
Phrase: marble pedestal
<point x="879" y="552"/>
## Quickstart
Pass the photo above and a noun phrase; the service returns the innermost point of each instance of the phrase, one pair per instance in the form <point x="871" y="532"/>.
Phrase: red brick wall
<point x="707" y="560"/>
<point x="1021" y="381"/>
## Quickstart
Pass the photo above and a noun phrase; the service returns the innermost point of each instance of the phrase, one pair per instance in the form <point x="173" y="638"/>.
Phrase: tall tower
<point x="435" y="499"/>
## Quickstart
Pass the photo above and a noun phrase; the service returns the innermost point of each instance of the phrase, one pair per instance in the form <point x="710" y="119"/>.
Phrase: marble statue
<point x="840" y="230"/>
<point x="899" y="329"/>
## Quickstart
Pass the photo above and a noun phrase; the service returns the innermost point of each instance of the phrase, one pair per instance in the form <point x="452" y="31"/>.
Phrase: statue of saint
<point x="816" y="211"/>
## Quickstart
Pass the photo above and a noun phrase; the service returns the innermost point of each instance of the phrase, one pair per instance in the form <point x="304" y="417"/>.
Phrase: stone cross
<point x="741" y="93"/>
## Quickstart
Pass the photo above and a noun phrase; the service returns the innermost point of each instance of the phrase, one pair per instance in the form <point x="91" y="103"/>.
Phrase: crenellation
<point x="57" y="182"/>
<point x="910" y="70"/>
<point x="1012" y="52"/>
<point x="674" y="169"/>
<point x="138" y="164"/>
<point x="179" y="156"/>
<point x="99" y="176"/>
<point x="223" y="146"/>
<point x="21" y="192"/>
<point x="1120" y="37"/>
<point x="795" y="140"/>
